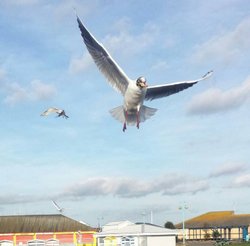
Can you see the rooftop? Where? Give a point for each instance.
(40, 223)
(129, 228)
(217, 219)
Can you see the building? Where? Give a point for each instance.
(135, 234)
(41, 230)
(230, 226)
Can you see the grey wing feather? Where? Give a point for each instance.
(111, 70)
(159, 91)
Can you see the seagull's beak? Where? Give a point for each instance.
(143, 85)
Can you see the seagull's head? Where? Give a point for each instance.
(141, 82)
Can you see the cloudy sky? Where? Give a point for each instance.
(195, 150)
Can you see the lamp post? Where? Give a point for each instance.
(99, 223)
(182, 208)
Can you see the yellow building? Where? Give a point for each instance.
(229, 225)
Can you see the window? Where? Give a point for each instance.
(36, 243)
(6, 243)
(52, 242)
(110, 241)
(128, 241)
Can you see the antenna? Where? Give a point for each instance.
(143, 214)
(99, 226)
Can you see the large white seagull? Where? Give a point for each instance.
(132, 112)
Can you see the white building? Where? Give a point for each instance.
(126, 233)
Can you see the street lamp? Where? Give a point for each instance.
(182, 208)
(99, 223)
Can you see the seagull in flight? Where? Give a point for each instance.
(60, 112)
(58, 207)
(134, 91)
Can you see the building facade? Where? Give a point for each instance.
(126, 233)
(44, 230)
(227, 225)
(80, 238)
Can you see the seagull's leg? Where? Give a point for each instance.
(124, 127)
(137, 119)
(125, 124)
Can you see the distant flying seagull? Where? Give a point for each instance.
(57, 206)
(60, 112)
(132, 112)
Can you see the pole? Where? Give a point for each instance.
(183, 226)
(99, 223)
(183, 207)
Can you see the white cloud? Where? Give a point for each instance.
(20, 198)
(225, 48)
(160, 65)
(123, 24)
(19, 2)
(126, 44)
(64, 8)
(187, 186)
(41, 91)
(36, 91)
(241, 181)
(122, 44)
(106, 186)
(172, 184)
(15, 94)
(215, 100)
(228, 169)
(80, 64)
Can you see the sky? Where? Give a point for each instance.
(193, 151)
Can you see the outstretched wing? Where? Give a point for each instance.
(51, 110)
(111, 70)
(57, 206)
(158, 91)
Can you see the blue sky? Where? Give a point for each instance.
(194, 150)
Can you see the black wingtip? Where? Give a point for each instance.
(77, 17)
(208, 74)
(79, 21)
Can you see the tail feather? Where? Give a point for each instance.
(118, 113)
(146, 113)
(131, 119)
